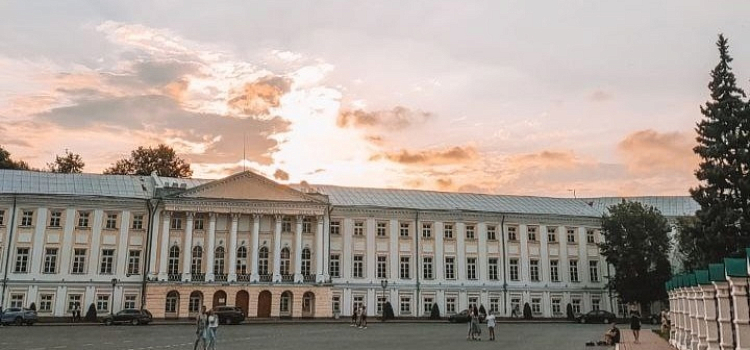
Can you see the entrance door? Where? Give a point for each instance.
(264, 304)
(242, 301)
(308, 304)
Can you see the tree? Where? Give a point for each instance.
(144, 161)
(526, 311)
(388, 311)
(435, 312)
(637, 243)
(723, 225)
(570, 315)
(7, 163)
(91, 314)
(70, 163)
(32, 306)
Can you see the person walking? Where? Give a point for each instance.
(201, 323)
(354, 317)
(635, 324)
(77, 313)
(213, 327)
(476, 331)
(363, 316)
(491, 325)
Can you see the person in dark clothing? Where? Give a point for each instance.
(612, 336)
(635, 324)
(201, 323)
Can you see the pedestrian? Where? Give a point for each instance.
(363, 316)
(516, 311)
(476, 331)
(470, 334)
(213, 327)
(635, 324)
(491, 325)
(354, 316)
(201, 323)
(77, 312)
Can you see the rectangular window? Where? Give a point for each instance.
(134, 262)
(108, 257)
(512, 233)
(427, 305)
(571, 235)
(470, 234)
(54, 218)
(335, 266)
(556, 306)
(554, 274)
(474, 301)
(594, 270)
(491, 233)
(199, 223)
(427, 267)
(382, 267)
(22, 260)
(595, 303)
(74, 301)
(336, 304)
(426, 230)
(403, 230)
(576, 303)
(286, 224)
(448, 231)
(175, 223)
(531, 233)
(590, 238)
(471, 268)
(307, 225)
(513, 265)
(515, 305)
(382, 228)
(102, 303)
(357, 301)
(494, 305)
(358, 266)
(551, 234)
(130, 301)
(111, 221)
(79, 260)
(2, 217)
(137, 222)
(405, 268)
(83, 219)
(405, 305)
(450, 265)
(492, 269)
(45, 302)
(534, 270)
(381, 302)
(359, 228)
(27, 218)
(50, 260)
(335, 227)
(536, 306)
(574, 270)
(16, 300)
(450, 305)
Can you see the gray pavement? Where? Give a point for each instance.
(313, 336)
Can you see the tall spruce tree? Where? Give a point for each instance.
(723, 225)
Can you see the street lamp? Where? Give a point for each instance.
(384, 284)
(112, 301)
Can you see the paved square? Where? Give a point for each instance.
(307, 336)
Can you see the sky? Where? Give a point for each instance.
(543, 98)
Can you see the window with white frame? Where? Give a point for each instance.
(335, 266)
(427, 305)
(170, 306)
(50, 260)
(198, 222)
(107, 261)
(54, 218)
(491, 233)
(137, 223)
(512, 233)
(102, 303)
(404, 229)
(405, 305)
(242, 260)
(551, 234)
(285, 303)
(474, 301)
(111, 221)
(83, 219)
(470, 232)
(130, 301)
(382, 266)
(22, 260)
(534, 270)
(594, 270)
(175, 223)
(219, 258)
(590, 237)
(357, 301)
(405, 268)
(427, 267)
(359, 228)
(134, 262)
(2, 217)
(306, 266)
(426, 230)
(358, 267)
(286, 224)
(27, 218)
(382, 228)
(571, 235)
(494, 305)
(336, 303)
(307, 225)
(492, 269)
(595, 303)
(79, 261)
(513, 267)
(45, 303)
(381, 302)
(450, 267)
(515, 303)
(531, 233)
(573, 270)
(448, 230)
(576, 303)
(196, 265)
(471, 268)
(17, 299)
(286, 261)
(554, 274)
(536, 306)
(335, 227)
(556, 306)
(74, 300)
(173, 265)
(450, 305)
(263, 261)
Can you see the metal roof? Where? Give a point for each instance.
(34, 182)
(669, 206)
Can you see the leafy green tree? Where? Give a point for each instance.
(144, 161)
(7, 163)
(69, 163)
(723, 225)
(637, 244)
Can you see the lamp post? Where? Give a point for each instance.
(384, 284)
(112, 301)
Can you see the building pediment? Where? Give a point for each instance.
(248, 186)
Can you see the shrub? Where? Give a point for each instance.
(526, 311)
(435, 312)
(91, 313)
(388, 311)
(569, 311)
(32, 306)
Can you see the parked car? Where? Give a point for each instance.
(461, 317)
(129, 316)
(597, 316)
(229, 314)
(18, 316)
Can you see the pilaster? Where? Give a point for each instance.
(232, 276)
(210, 276)
(298, 250)
(164, 248)
(277, 249)
(254, 277)
(188, 247)
(319, 251)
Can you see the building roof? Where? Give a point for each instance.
(34, 182)
(669, 206)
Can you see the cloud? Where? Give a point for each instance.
(650, 152)
(444, 183)
(281, 175)
(600, 96)
(544, 160)
(258, 97)
(397, 118)
(448, 156)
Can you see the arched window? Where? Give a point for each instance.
(219, 261)
(263, 261)
(197, 265)
(285, 304)
(174, 260)
(285, 261)
(173, 299)
(196, 300)
(242, 260)
(306, 262)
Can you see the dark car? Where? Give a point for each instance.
(597, 316)
(229, 314)
(130, 316)
(18, 316)
(461, 317)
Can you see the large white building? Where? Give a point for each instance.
(172, 245)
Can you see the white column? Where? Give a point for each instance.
(254, 248)
(460, 252)
(523, 261)
(298, 250)
(347, 229)
(232, 277)
(277, 249)
(481, 230)
(210, 277)
(153, 268)
(711, 327)
(164, 248)
(725, 320)
(393, 254)
(96, 235)
(319, 252)
(188, 257)
(370, 257)
(37, 250)
(67, 241)
(741, 320)
(121, 268)
(439, 260)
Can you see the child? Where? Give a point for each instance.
(491, 325)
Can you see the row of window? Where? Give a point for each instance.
(176, 223)
(381, 229)
(78, 264)
(196, 265)
(381, 269)
(47, 302)
(84, 219)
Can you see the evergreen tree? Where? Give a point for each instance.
(570, 315)
(637, 244)
(91, 314)
(435, 312)
(723, 225)
(527, 311)
(388, 311)
(69, 164)
(143, 161)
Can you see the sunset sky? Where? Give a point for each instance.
(508, 97)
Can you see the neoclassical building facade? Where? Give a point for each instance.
(171, 245)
